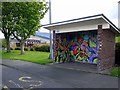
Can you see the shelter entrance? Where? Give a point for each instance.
(79, 46)
(86, 39)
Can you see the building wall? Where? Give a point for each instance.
(29, 42)
(106, 49)
(76, 46)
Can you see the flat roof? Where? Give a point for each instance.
(79, 20)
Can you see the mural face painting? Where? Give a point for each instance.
(76, 46)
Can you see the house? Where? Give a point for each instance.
(88, 40)
(38, 38)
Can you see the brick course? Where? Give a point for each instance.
(106, 51)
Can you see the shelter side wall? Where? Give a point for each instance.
(107, 49)
(54, 45)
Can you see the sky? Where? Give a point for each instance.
(71, 9)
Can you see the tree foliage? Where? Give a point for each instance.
(7, 22)
(27, 16)
(22, 19)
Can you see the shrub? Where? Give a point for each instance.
(31, 49)
(43, 48)
(117, 54)
(3, 43)
(26, 49)
(117, 46)
(115, 72)
(17, 48)
(11, 49)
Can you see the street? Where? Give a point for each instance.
(19, 74)
(13, 78)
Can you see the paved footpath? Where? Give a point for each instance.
(20, 74)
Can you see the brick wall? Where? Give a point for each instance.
(54, 45)
(106, 53)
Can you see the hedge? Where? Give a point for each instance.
(117, 54)
(18, 48)
(26, 49)
(32, 49)
(42, 48)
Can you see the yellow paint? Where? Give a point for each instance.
(34, 83)
(5, 87)
(23, 79)
(11, 81)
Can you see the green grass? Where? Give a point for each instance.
(115, 72)
(30, 56)
(117, 39)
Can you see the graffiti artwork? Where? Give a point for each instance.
(76, 46)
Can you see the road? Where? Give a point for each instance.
(13, 78)
(31, 75)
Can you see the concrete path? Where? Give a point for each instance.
(52, 76)
(86, 67)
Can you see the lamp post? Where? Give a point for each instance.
(51, 47)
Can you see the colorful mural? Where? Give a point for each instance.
(76, 46)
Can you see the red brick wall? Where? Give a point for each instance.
(106, 49)
(54, 45)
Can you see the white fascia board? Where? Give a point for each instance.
(82, 28)
(57, 26)
(63, 23)
(111, 25)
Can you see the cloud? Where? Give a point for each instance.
(70, 9)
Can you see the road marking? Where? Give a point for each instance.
(34, 84)
(5, 87)
(11, 81)
(23, 79)
(31, 83)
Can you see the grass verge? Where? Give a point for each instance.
(30, 56)
(117, 39)
(115, 72)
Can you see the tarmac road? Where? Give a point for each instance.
(13, 78)
(20, 74)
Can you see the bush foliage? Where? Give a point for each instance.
(3, 43)
(117, 54)
(115, 72)
(26, 49)
(32, 49)
(42, 48)
(18, 48)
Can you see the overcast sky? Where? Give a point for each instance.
(70, 9)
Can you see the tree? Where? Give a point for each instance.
(7, 22)
(24, 19)
(27, 16)
(3, 43)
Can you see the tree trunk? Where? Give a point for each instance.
(8, 45)
(22, 47)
